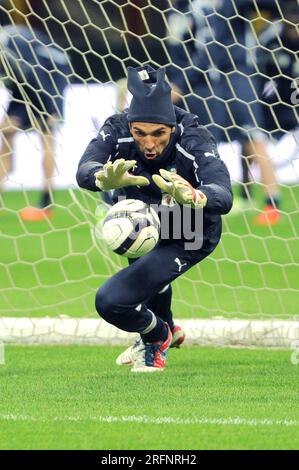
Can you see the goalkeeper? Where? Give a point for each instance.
(157, 153)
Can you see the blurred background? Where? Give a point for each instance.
(103, 38)
(98, 35)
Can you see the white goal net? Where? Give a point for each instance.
(63, 66)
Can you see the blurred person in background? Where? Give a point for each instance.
(191, 70)
(279, 65)
(35, 72)
(209, 41)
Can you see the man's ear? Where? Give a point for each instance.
(130, 126)
(172, 129)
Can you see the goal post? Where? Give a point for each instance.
(246, 292)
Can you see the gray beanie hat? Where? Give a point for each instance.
(151, 100)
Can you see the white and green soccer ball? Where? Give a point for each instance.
(131, 228)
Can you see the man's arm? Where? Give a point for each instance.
(97, 153)
(212, 190)
(99, 171)
(216, 186)
(210, 171)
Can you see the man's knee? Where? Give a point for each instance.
(104, 303)
(114, 311)
(108, 305)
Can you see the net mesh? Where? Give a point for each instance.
(70, 70)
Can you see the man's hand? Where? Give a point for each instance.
(180, 189)
(115, 175)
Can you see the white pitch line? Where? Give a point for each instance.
(236, 421)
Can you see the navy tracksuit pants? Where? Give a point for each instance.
(128, 297)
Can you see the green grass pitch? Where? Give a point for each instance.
(67, 397)
(77, 398)
(53, 268)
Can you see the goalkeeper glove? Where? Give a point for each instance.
(182, 191)
(115, 175)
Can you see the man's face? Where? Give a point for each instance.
(151, 138)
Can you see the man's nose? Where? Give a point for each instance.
(149, 143)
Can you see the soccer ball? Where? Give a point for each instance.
(131, 228)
